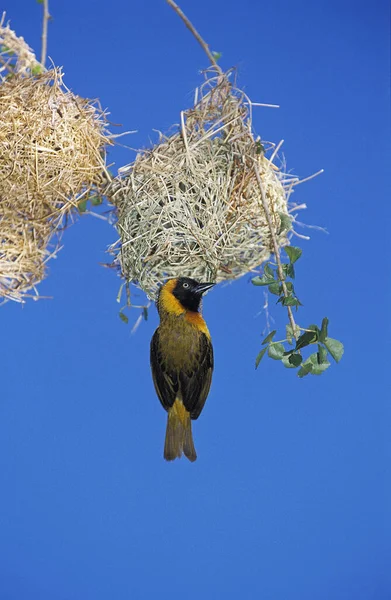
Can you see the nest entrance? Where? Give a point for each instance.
(192, 206)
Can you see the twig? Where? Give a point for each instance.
(266, 309)
(196, 34)
(44, 37)
(300, 235)
(276, 250)
(139, 318)
(310, 177)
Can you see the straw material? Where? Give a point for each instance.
(51, 157)
(15, 55)
(192, 206)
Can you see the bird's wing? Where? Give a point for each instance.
(165, 381)
(195, 382)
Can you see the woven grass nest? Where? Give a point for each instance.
(192, 205)
(51, 158)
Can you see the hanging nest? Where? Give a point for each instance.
(192, 205)
(52, 158)
(16, 57)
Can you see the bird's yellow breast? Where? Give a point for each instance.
(180, 341)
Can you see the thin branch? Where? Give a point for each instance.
(267, 314)
(140, 317)
(309, 177)
(44, 37)
(193, 30)
(275, 249)
(300, 235)
(264, 105)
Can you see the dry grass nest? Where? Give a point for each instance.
(192, 205)
(15, 55)
(52, 156)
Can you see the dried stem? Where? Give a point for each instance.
(193, 30)
(44, 37)
(276, 249)
(267, 314)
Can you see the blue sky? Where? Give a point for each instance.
(289, 498)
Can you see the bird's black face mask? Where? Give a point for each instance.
(189, 292)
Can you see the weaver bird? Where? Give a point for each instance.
(181, 361)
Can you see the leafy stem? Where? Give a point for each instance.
(275, 247)
(143, 307)
(296, 336)
(276, 280)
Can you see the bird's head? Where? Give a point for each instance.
(181, 294)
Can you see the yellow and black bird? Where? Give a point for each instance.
(181, 361)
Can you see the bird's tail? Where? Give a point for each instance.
(179, 438)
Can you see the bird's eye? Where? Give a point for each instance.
(185, 285)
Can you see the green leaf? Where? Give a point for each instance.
(335, 348)
(295, 359)
(307, 338)
(36, 70)
(275, 288)
(322, 355)
(259, 149)
(286, 223)
(95, 200)
(286, 363)
(304, 369)
(39, 1)
(291, 301)
(323, 331)
(262, 280)
(267, 270)
(217, 55)
(123, 317)
(289, 287)
(260, 357)
(289, 333)
(315, 329)
(316, 368)
(289, 352)
(293, 253)
(145, 313)
(276, 351)
(269, 337)
(289, 270)
(82, 206)
(319, 369)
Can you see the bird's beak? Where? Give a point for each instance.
(203, 287)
